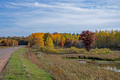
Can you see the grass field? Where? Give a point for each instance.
(65, 69)
(76, 53)
(114, 56)
(19, 68)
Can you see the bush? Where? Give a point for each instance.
(43, 49)
(100, 51)
(74, 50)
(47, 50)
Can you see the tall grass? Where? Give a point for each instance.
(64, 69)
(113, 56)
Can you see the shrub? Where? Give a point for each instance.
(43, 49)
(71, 50)
(100, 51)
(48, 50)
(74, 50)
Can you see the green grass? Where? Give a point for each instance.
(19, 68)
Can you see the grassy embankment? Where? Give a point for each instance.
(64, 69)
(19, 68)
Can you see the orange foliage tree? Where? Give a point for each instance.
(36, 39)
(56, 38)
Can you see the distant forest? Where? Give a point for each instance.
(104, 39)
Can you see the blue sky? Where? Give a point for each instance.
(23, 17)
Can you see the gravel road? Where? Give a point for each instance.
(5, 55)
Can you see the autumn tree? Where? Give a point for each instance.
(75, 43)
(8, 42)
(46, 35)
(88, 39)
(36, 39)
(68, 43)
(49, 42)
(107, 39)
(4, 42)
(56, 38)
(71, 36)
(62, 41)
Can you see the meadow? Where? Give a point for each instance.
(65, 56)
(63, 68)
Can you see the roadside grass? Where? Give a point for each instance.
(19, 68)
(1, 47)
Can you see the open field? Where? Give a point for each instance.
(76, 53)
(65, 69)
(32, 64)
(114, 56)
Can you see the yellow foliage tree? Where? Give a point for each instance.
(62, 39)
(49, 42)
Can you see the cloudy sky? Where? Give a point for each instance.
(23, 17)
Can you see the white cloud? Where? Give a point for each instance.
(72, 15)
(61, 17)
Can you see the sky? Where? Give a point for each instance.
(23, 17)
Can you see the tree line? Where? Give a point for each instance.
(107, 39)
(13, 41)
(98, 39)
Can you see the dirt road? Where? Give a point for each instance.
(5, 54)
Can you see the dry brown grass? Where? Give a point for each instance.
(115, 55)
(63, 69)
